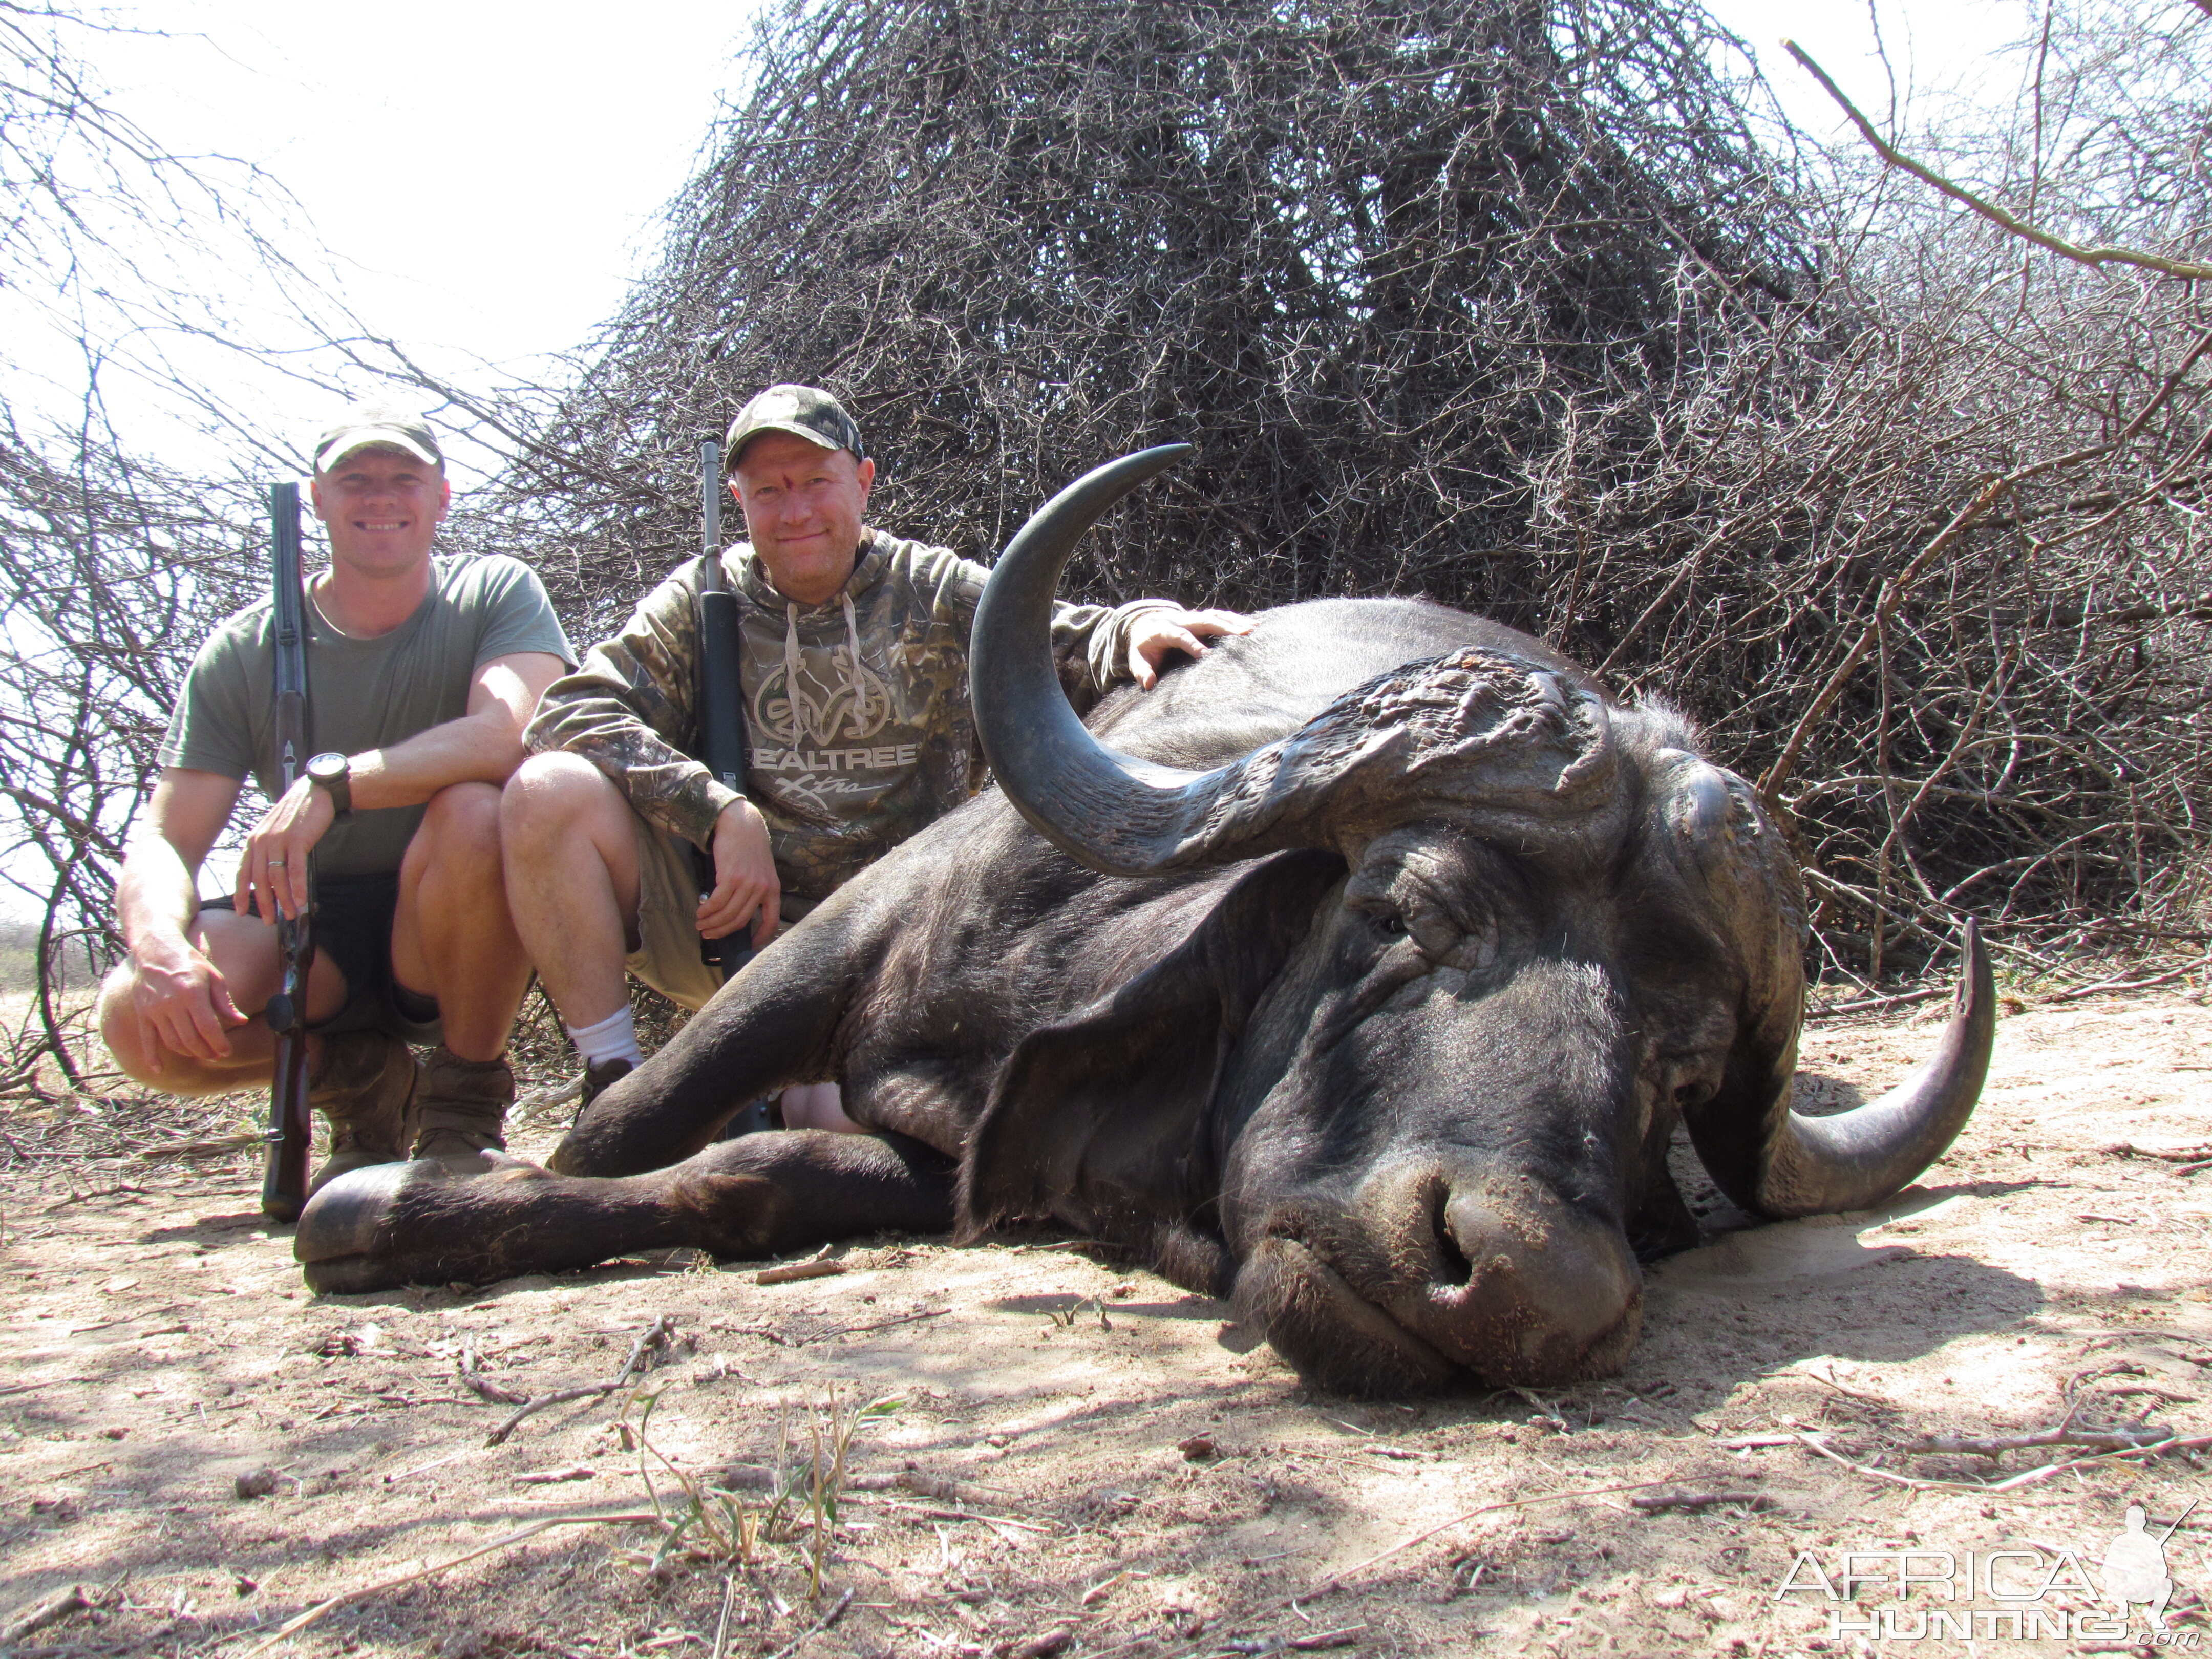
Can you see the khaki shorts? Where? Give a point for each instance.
(667, 955)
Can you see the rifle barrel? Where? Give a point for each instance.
(291, 1122)
(722, 688)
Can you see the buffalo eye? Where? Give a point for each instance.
(1693, 1094)
(1435, 933)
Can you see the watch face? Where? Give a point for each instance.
(326, 767)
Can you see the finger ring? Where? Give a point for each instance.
(276, 864)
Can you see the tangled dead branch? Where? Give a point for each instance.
(1519, 306)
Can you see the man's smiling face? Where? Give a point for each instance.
(803, 507)
(382, 507)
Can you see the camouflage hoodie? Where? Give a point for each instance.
(856, 711)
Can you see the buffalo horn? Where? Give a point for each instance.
(1857, 1159)
(1474, 732)
(1114, 811)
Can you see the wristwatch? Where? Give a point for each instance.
(329, 772)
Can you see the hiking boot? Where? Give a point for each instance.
(461, 1106)
(364, 1082)
(602, 1077)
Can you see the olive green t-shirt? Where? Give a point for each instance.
(361, 694)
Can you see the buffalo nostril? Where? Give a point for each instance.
(1453, 1266)
(1544, 1267)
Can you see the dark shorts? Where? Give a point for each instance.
(353, 928)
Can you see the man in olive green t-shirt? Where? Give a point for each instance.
(421, 672)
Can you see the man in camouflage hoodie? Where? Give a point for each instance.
(855, 666)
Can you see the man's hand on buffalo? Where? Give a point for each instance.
(745, 884)
(1153, 636)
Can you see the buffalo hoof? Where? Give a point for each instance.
(416, 1223)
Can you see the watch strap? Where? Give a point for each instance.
(338, 787)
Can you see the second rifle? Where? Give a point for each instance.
(721, 692)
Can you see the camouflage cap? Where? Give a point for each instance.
(804, 412)
(377, 425)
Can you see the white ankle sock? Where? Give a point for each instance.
(614, 1037)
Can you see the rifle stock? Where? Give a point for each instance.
(721, 692)
(291, 1122)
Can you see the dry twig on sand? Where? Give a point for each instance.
(2026, 1478)
(52, 1610)
(482, 1385)
(655, 1335)
(1335, 1580)
(1318, 1642)
(819, 1266)
(820, 1624)
(722, 1624)
(2174, 1154)
(1996, 1446)
(1657, 1502)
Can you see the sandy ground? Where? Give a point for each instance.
(1069, 1455)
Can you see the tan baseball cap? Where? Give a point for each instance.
(377, 425)
(804, 412)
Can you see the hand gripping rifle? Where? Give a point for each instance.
(291, 1124)
(721, 695)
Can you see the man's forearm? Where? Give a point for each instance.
(156, 896)
(480, 748)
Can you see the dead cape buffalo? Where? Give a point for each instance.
(1365, 978)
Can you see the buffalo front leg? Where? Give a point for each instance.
(774, 1025)
(417, 1224)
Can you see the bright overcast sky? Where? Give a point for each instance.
(1937, 49)
(487, 174)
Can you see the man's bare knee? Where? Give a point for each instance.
(128, 1041)
(460, 822)
(469, 808)
(557, 793)
(555, 800)
(119, 1029)
(817, 1106)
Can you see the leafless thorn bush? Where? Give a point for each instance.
(1521, 307)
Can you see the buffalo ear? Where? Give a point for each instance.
(1732, 853)
(1099, 1119)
